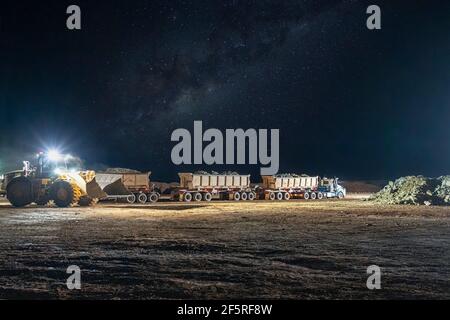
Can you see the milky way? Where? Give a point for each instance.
(348, 101)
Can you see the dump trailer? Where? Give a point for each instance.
(203, 186)
(288, 186)
(132, 187)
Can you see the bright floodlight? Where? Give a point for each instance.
(54, 155)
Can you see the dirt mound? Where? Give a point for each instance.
(417, 190)
(361, 186)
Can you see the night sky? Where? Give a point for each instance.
(348, 101)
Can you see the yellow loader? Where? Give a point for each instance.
(52, 178)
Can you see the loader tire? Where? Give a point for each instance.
(65, 194)
(20, 192)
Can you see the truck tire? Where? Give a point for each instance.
(340, 195)
(306, 196)
(237, 196)
(280, 196)
(287, 196)
(272, 196)
(320, 195)
(142, 198)
(131, 198)
(187, 197)
(251, 196)
(152, 197)
(198, 196)
(244, 196)
(313, 195)
(207, 196)
(19, 192)
(64, 194)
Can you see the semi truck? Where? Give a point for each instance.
(293, 186)
(204, 186)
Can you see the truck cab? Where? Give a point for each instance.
(332, 189)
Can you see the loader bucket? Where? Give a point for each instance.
(116, 188)
(112, 184)
(94, 190)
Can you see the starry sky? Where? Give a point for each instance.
(348, 101)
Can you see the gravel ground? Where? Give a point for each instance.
(222, 250)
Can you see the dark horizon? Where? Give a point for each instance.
(349, 102)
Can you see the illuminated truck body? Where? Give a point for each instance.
(133, 187)
(289, 186)
(204, 186)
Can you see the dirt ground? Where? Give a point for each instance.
(222, 250)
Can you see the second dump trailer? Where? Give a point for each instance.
(205, 187)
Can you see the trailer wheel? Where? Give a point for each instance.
(272, 196)
(207, 196)
(237, 196)
(313, 195)
(153, 197)
(306, 196)
(340, 195)
(251, 196)
(198, 196)
(187, 197)
(287, 196)
(320, 196)
(142, 198)
(244, 196)
(131, 198)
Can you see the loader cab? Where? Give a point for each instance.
(50, 165)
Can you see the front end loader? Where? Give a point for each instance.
(51, 179)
